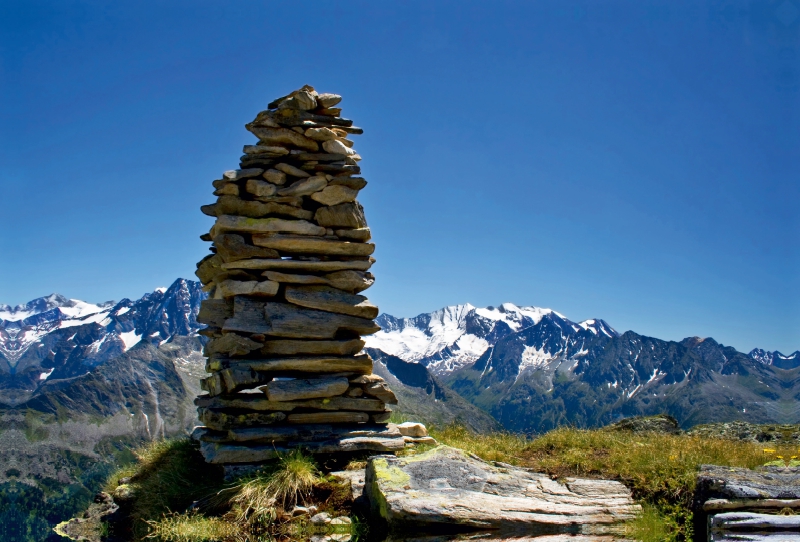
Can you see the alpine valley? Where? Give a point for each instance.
(80, 384)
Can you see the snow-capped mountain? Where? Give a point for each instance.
(68, 308)
(56, 338)
(776, 358)
(534, 369)
(456, 336)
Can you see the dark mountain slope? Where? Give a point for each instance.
(423, 397)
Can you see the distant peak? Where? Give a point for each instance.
(69, 308)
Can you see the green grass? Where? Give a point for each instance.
(169, 476)
(497, 446)
(659, 469)
(166, 478)
(650, 526)
(261, 498)
(189, 527)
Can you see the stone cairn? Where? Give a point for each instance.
(290, 254)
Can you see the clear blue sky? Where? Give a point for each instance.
(633, 161)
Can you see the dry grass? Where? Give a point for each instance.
(659, 469)
(169, 475)
(256, 500)
(498, 446)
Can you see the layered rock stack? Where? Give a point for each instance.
(290, 256)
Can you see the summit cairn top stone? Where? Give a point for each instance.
(290, 256)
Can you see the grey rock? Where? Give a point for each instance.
(334, 195)
(291, 170)
(277, 319)
(345, 215)
(288, 347)
(752, 521)
(351, 281)
(311, 432)
(328, 100)
(209, 267)
(330, 299)
(360, 234)
(236, 174)
(265, 150)
(231, 205)
(214, 312)
(289, 278)
(304, 187)
(356, 183)
(305, 388)
(300, 99)
(380, 390)
(301, 265)
(253, 401)
(739, 483)
(328, 417)
(228, 189)
(231, 223)
(230, 288)
(750, 432)
(444, 489)
(230, 344)
(282, 136)
(660, 423)
(412, 429)
(299, 244)
(337, 147)
(221, 453)
(260, 188)
(232, 247)
(320, 134)
(223, 421)
(353, 478)
(275, 176)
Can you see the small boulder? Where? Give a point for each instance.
(412, 429)
(321, 519)
(660, 423)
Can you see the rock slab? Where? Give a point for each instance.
(447, 490)
(736, 500)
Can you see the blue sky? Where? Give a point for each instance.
(633, 161)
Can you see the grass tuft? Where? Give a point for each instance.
(255, 500)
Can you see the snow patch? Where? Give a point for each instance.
(130, 338)
(534, 358)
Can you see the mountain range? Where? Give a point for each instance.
(80, 383)
(533, 369)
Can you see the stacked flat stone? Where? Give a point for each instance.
(290, 256)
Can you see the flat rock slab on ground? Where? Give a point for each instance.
(753, 527)
(715, 482)
(447, 490)
(740, 496)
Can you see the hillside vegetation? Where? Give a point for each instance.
(169, 493)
